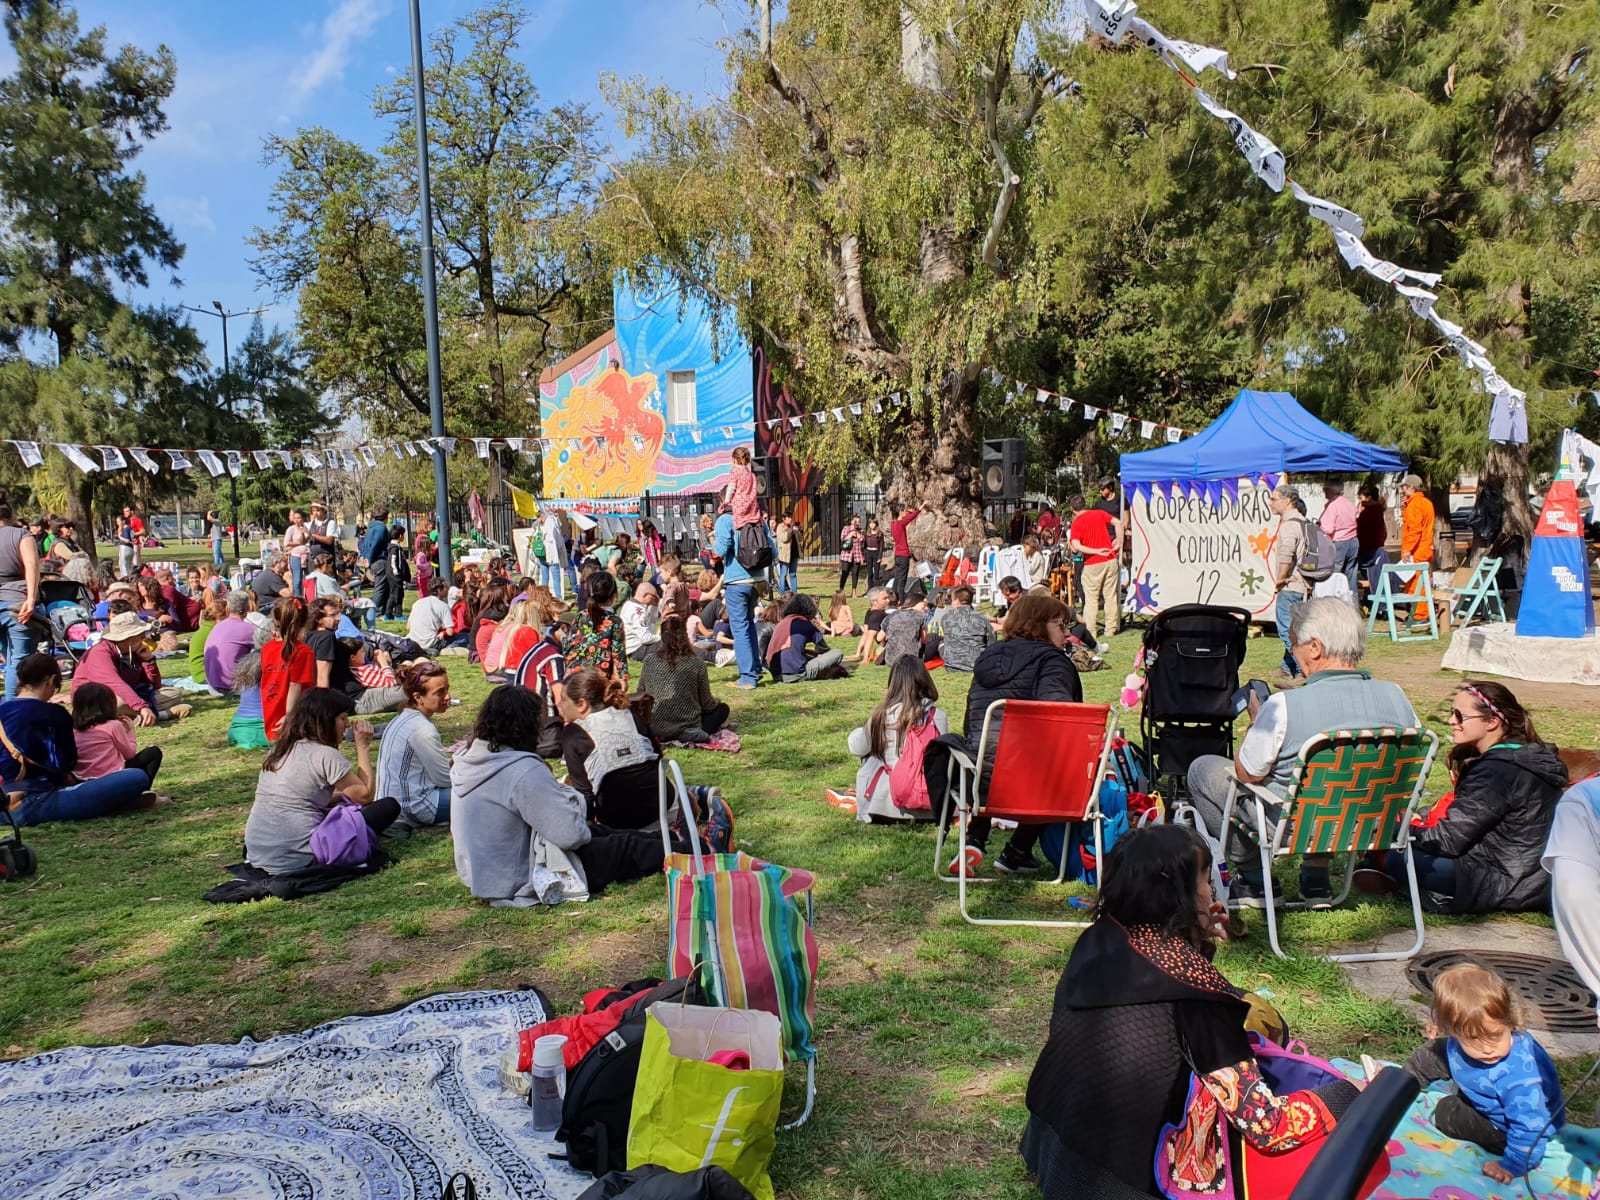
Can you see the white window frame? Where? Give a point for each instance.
(682, 403)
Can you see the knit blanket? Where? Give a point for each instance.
(389, 1105)
(1426, 1165)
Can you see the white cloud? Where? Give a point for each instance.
(346, 26)
(188, 213)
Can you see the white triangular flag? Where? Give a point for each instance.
(367, 456)
(263, 460)
(1173, 433)
(1042, 396)
(1119, 421)
(1110, 20)
(1090, 413)
(1265, 159)
(1147, 428)
(600, 442)
(377, 449)
(794, 422)
(447, 444)
(1328, 213)
(112, 457)
(696, 435)
(1064, 403)
(312, 459)
(1196, 58)
(515, 444)
(638, 442)
(285, 458)
(180, 460)
(210, 461)
(727, 431)
(855, 410)
(482, 445)
(78, 458)
(877, 406)
(235, 462)
(31, 453)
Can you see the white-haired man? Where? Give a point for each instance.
(1328, 641)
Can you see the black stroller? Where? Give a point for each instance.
(1192, 656)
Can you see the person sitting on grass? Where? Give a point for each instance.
(333, 656)
(1506, 1096)
(39, 776)
(521, 838)
(430, 623)
(413, 765)
(288, 667)
(232, 638)
(908, 705)
(904, 629)
(213, 610)
(962, 631)
(106, 743)
(841, 618)
(610, 753)
(153, 610)
(248, 729)
(125, 661)
(303, 776)
(641, 620)
(675, 677)
(878, 601)
(494, 601)
(598, 640)
(798, 651)
(1140, 1012)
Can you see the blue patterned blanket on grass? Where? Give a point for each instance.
(1424, 1164)
(383, 1107)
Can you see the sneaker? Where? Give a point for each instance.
(1316, 890)
(1017, 864)
(716, 834)
(844, 798)
(1249, 893)
(974, 860)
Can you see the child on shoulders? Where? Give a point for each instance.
(1505, 1095)
(741, 489)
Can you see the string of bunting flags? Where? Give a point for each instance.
(1120, 422)
(1116, 20)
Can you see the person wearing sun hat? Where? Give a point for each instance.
(124, 661)
(324, 531)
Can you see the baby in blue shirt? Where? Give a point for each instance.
(1506, 1097)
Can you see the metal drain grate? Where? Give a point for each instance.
(1551, 995)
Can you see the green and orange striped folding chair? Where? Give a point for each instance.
(1355, 791)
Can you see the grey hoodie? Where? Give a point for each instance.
(512, 824)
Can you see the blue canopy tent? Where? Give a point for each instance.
(1260, 433)
(1197, 510)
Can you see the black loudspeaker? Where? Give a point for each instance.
(766, 468)
(1003, 469)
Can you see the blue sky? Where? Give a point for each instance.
(247, 68)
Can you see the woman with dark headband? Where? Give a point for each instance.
(1481, 854)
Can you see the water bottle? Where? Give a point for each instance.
(549, 1082)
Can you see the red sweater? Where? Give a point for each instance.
(897, 531)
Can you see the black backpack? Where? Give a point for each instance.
(599, 1100)
(753, 548)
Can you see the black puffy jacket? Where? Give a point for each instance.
(1496, 828)
(1017, 669)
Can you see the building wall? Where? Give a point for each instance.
(618, 391)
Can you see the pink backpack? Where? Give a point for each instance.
(908, 788)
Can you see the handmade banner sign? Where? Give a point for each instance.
(1202, 543)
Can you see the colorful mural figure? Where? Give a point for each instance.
(797, 477)
(614, 394)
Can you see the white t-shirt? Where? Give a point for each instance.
(1572, 856)
(430, 621)
(1262, 745)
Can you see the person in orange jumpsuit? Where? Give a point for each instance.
(1416, 535)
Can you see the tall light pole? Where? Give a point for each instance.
(430, 300)
(216, 310)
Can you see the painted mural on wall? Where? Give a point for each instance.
(798, 479)
(614, 395)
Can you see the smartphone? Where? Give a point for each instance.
(1241, 698)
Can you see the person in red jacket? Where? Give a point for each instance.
(902, 548)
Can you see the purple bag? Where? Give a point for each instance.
(343, 839)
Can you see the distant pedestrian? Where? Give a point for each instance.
(214, 528)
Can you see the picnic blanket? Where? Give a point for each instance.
(1426, 1165)
(388, 1105)
(722, 739)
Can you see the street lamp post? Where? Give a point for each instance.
(430, 303)
(216, 310)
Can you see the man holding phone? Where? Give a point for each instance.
(1328, 641)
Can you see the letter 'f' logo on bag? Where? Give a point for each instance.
(721, 1127)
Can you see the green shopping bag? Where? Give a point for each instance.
(689, 1113)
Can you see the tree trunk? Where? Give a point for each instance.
(80, 509)
(933, 469)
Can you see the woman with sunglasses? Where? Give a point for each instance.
(1482, 854)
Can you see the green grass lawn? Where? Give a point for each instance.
(929, 1026)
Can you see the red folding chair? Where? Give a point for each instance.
(1049, 761)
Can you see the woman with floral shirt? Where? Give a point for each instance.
(597, 639)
